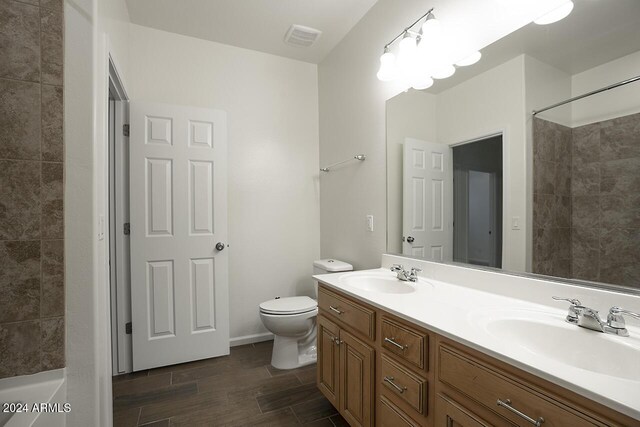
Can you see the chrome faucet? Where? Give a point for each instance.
(406, 275)
(589, 318)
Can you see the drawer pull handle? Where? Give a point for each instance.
(391, 341)
(507, 404)
(394, 385)
(334, 309)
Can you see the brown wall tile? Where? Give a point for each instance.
(620, 211)
(19, 348)
(620, 138)
(52, 123)
(52, 303)
(52, 343)
(544, 177)
(620, 176)
(544, 209)
(52, 46)
(19, 280)
(19, 119)
(19, 200)
(563, 211)
(585, 211)
(52, 4)
(586, 144)
(32, 305)
(52, 201)
(19, 41)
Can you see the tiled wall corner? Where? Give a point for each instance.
(602, 208)
(31, 187)
(552, 207)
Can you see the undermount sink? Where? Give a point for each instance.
(381, 282)
(547, 335)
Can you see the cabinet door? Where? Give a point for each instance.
(328, 360)
(357, 372)
(451, 414)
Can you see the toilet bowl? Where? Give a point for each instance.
(292, 321)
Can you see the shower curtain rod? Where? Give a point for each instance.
(613, 86)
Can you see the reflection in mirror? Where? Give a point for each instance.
(474, 177)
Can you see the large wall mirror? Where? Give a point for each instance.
(474, 177)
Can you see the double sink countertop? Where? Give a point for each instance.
(514, 319)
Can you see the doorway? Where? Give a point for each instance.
(118, 224)
(477, 202)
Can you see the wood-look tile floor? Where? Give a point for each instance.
(241, 389)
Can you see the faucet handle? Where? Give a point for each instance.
(573, 301)
(572, 316)
(397, 267)
(415, 270)
(615, 319)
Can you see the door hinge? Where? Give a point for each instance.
(127, 228)
(125, 130)
(128, 328)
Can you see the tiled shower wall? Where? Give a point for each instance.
(551, 198)
(606, 201)
(31, 187)
(604, 206)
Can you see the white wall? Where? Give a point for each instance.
(410, 114)
(352, 121)
(272, 106)
(617, 102)
(93, 30)
(486, 104)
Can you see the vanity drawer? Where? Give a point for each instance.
(488, 386)
(403, 384)
(352, 314)
(407, 343)
(391, 416)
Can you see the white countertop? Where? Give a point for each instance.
(459, 306)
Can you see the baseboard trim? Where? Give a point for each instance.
(250, 339)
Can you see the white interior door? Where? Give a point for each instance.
(427, 200)
(178, 201)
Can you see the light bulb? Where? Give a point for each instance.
(556, 14)
(430, 27)
(442, 72)
(422, 82)
(388, 70)
(408, 50)
(407, 60)
(470, 60)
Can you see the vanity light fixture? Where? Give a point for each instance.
(423, 55)
(556, 14)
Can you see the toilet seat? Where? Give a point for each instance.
(289, 305)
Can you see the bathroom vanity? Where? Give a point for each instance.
(431, 353)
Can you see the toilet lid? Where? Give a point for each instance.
(288, 305)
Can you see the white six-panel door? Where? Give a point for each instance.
(178, 202)
(427, 200)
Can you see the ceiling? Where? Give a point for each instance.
(254, 24)
(596, 32)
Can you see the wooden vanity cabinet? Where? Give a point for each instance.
(346, 356)
(470, 386)
(378, 369)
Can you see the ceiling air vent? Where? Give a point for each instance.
(301, 36)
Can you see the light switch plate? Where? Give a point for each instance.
(369, 222)
(515, 223)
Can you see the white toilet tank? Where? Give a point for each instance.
(324, 266)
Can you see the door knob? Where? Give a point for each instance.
(410, 239)
(219, 246)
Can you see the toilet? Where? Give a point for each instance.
(292, 320)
